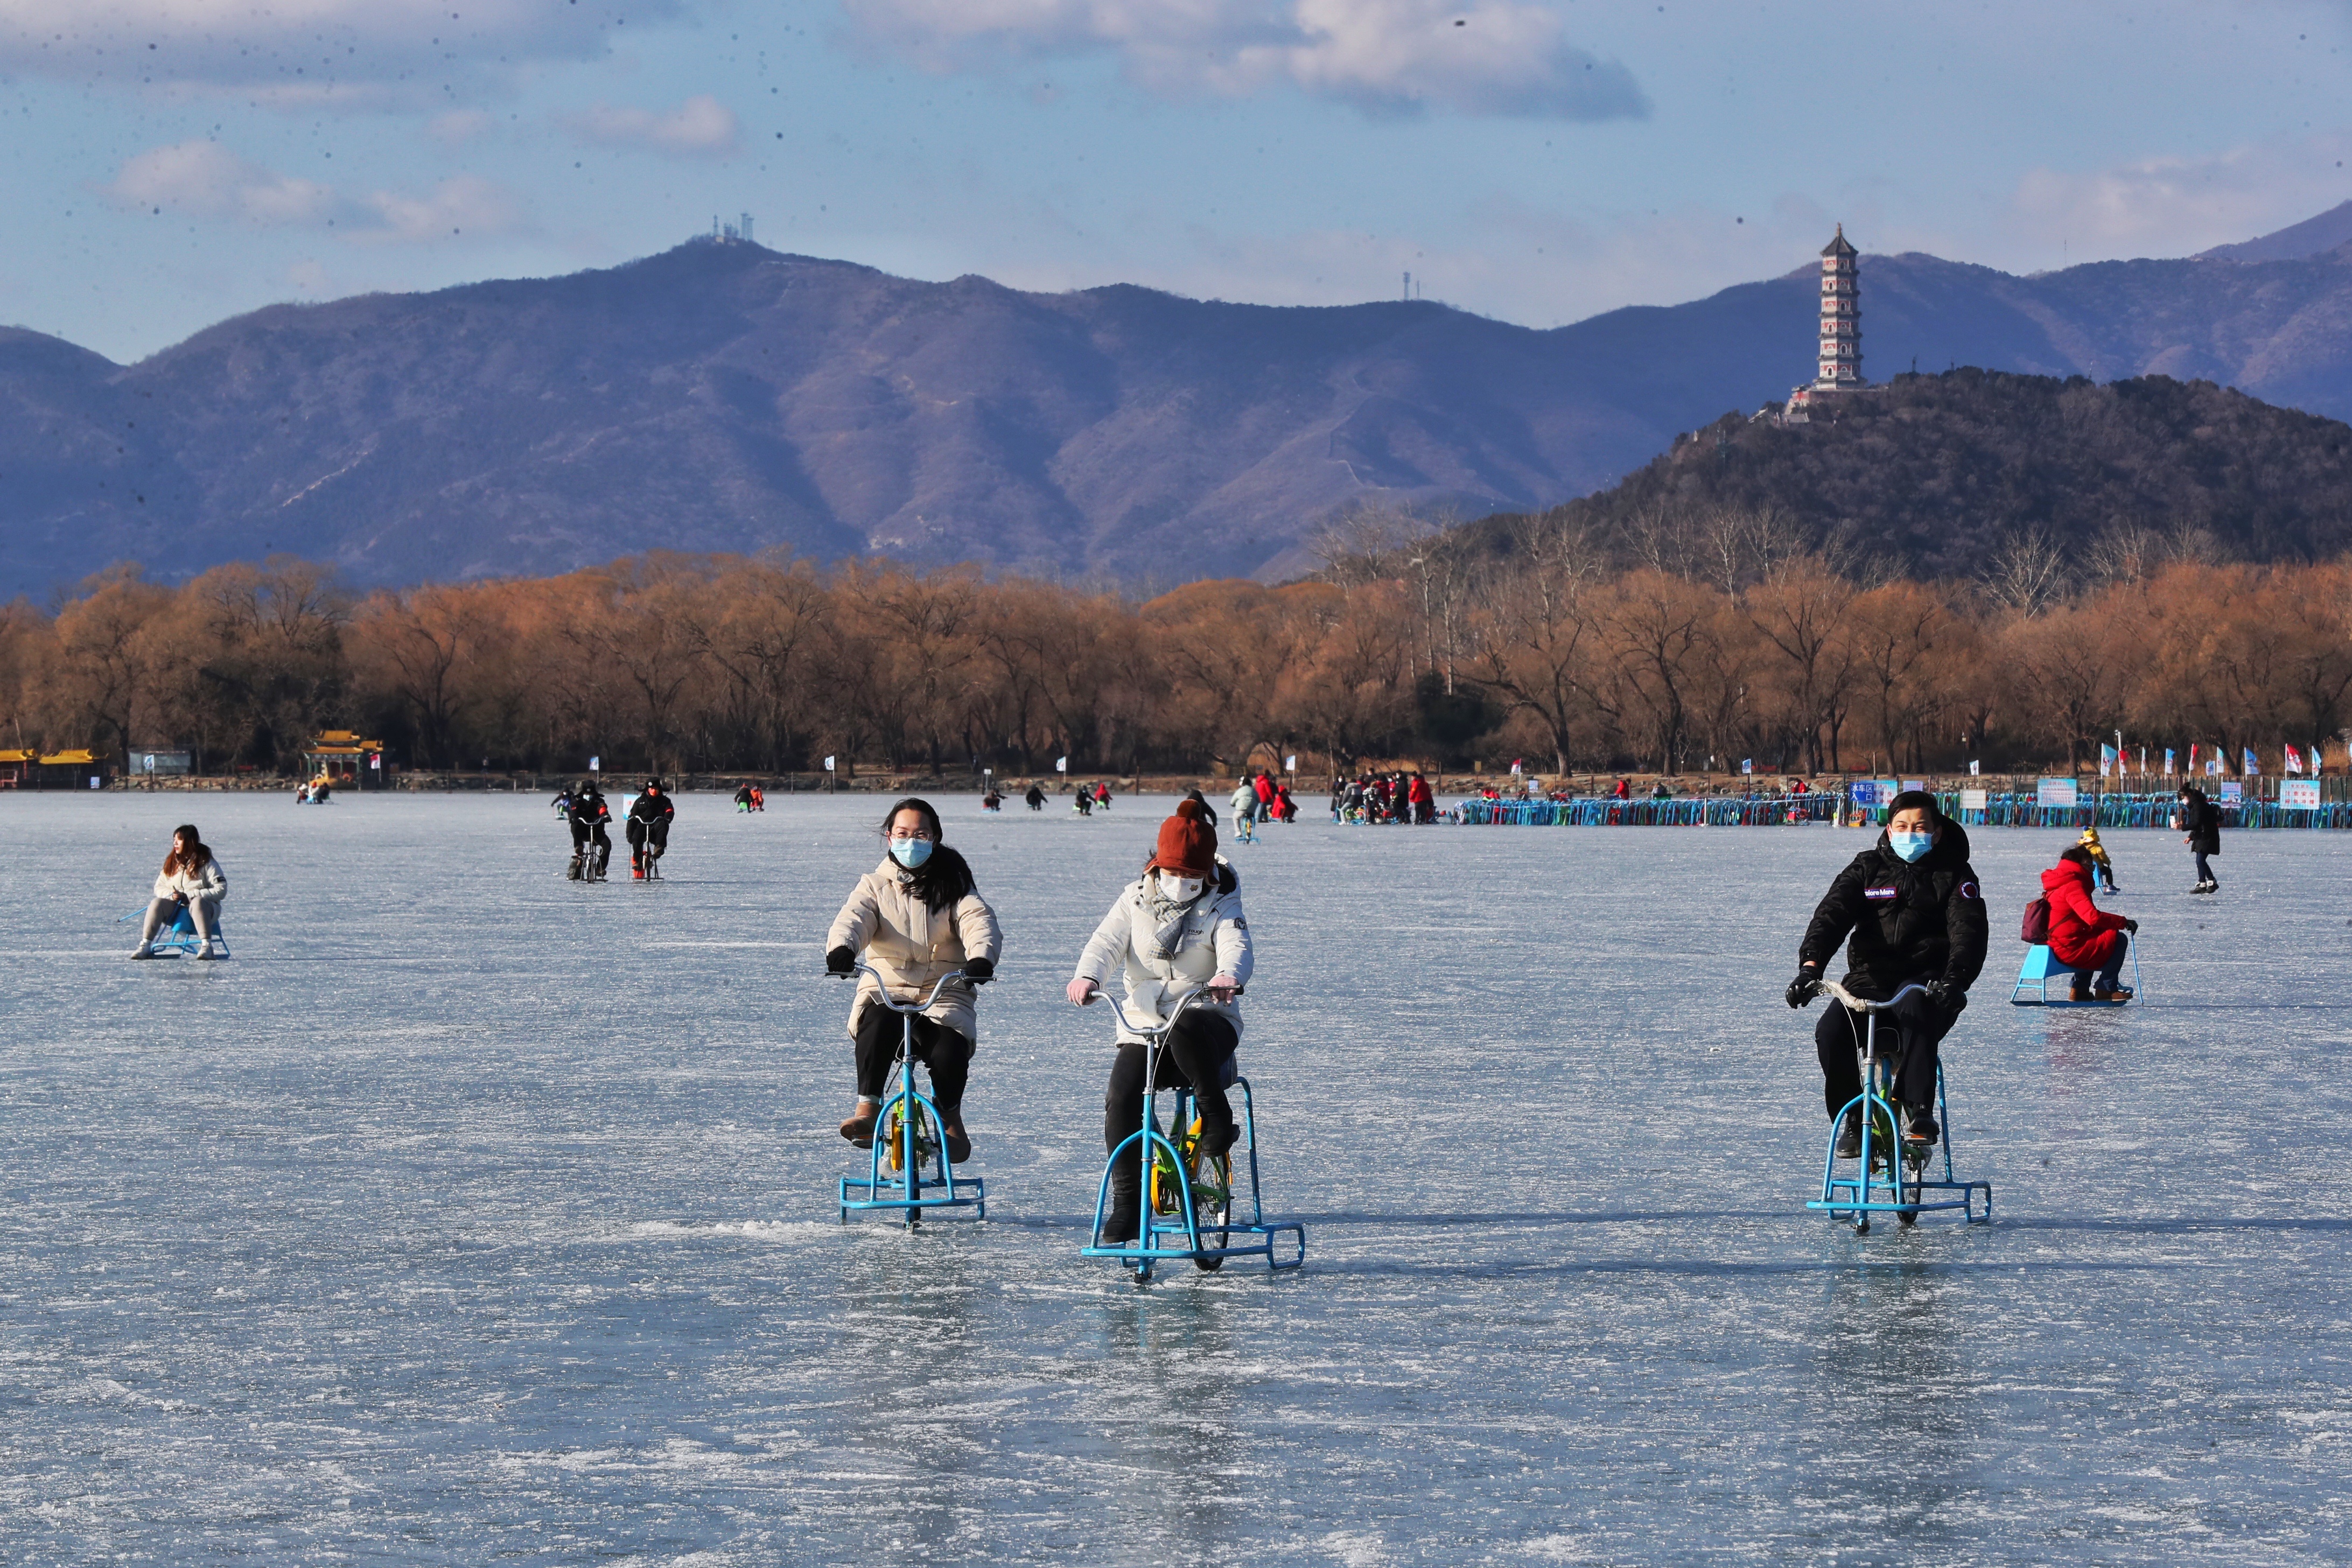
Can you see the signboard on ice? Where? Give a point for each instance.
(1975, 799)
(2233, 791)
(2299, 794)
(2053, 792)
(1863, 792)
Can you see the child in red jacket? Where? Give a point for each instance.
(2084, 937)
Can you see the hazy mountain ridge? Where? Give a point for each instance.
(724, 397)
(1934, 475)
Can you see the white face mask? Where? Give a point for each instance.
(1179, 890)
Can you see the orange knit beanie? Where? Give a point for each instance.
(1188, 845)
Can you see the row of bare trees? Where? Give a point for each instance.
(1703, 643)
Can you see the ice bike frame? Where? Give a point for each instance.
(910, 1133)
(1889, 1178)
(1185, 1211)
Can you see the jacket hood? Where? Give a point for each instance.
(1951, 846)
(2064, 873)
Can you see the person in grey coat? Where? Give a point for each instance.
(192, 878)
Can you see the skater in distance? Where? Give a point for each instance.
(649, 819)
(592, 846)
(192, 880)
(1916, 912)
(2200, 829)
(1178, 926)
(916, 918)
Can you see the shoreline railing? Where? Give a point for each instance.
(2002, 808)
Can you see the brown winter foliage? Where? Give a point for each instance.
(1707, 645)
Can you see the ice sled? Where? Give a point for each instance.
(178, 935)
(2041, 966)
(1189, 1198)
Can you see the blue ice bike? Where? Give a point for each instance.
(910, 1139)
(179, 936)
(1891, 1175)
(1188, 1198)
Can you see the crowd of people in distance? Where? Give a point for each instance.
(751, 797)
(1397, 797)
(1089, 796)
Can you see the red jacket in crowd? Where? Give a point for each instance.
(2081, 934)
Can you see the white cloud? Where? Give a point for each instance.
(1471, 56)
(204, 179)
(303, 51)
(463, 204)
(2170, 206)
(700, 127)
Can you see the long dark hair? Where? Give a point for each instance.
(197, 852)
(945, 878)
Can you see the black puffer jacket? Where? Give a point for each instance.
(1923, 921)
(2202, 820)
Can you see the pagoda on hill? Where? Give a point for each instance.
(1839, 367)
(1841, 358)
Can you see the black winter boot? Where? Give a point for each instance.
(1124, 1217)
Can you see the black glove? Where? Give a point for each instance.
(979, 971)
(841, 960)
(1945, 995)
(2132, 926)
(1803, 988)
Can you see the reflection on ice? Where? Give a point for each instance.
(472, 1215)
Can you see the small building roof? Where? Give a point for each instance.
(1841, 245)
(17, 756)
(78, 759)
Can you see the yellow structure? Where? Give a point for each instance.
(342, 757)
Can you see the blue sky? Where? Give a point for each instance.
(169, 163)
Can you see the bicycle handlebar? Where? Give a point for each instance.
(1132, 1027)
(883, 986)
(1860, 1005)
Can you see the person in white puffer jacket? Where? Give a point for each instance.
(192, 877)
(1180, 926)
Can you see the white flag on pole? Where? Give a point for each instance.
(592, 764)
(1972, 770)
(1290, 764)
(1061, 765)
(828, 764)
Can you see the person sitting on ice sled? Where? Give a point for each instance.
(915, 917)
(649, 819)
(2084, 937)
(192, 878)
(1178, 926)
(1917, 913)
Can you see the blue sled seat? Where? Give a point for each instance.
(2041, 966)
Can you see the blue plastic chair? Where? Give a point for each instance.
(2041, 966)
(179, 936)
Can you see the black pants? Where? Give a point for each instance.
(585, 835)
(1194, 1057)
(2112, 974)
(1907, 1037)
(946, 1051)
(641, 833)
(2204, 872)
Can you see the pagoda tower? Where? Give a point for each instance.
(1841, 357)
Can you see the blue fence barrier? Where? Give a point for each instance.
(2003, 808)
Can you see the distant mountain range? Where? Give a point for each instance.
(723, 397)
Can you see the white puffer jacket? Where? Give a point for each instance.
(1161, 958)
(211, 882)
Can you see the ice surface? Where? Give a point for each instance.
(473, 1216)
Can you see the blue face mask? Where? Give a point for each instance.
(1910, 846)
(911, 852)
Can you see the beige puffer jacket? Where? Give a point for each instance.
(900, 935)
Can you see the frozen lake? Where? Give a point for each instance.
(473, 1216)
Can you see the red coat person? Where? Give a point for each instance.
(2081, 934)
